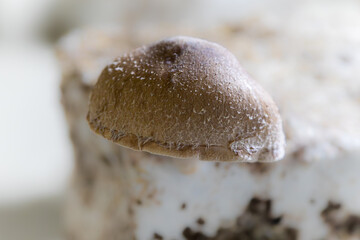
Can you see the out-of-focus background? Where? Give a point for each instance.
(35, 151)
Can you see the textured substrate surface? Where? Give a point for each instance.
(117, 193)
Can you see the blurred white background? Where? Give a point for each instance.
(35, 151)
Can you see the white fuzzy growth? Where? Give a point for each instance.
(318, 95)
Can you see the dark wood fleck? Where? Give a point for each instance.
(340, 222)
(157, 236)
(255, 223)
(183, 206)
(200, 221)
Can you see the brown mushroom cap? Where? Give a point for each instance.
(185, 97)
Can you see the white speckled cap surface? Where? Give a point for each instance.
(186, 97)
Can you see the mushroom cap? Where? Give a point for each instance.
(186, 97)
